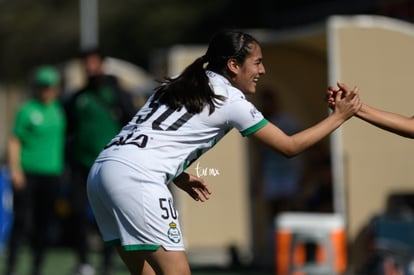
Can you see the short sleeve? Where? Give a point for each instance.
(245, 117)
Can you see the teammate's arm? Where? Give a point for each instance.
(388, 121)
(392, 122)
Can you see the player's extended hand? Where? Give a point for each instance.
(333, 92)
(194, 186)
(345, 102)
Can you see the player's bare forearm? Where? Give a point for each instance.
(392, 122)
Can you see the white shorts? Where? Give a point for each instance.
(138, 214)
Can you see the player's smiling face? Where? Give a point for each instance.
(247, 75)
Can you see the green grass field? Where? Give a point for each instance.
(61, 261)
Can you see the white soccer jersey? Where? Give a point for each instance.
(161, 143)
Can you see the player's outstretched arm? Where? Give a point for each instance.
(347, 104)
(194, 186)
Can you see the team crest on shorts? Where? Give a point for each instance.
(173, 233)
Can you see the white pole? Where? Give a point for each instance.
(88, 24)
(338, 158)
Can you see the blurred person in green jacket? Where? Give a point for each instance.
(36, 163)
(95, 114)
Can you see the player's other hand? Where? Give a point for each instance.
(330, 96)
(194, 186)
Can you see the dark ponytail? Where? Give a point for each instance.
(191, 88)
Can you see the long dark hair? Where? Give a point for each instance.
(191, 88)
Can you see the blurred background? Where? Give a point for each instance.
(49, 31)
(147, 40)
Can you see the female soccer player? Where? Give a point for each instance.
(186, 116)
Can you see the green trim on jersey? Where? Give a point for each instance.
(255, 128)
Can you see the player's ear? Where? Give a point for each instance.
(233, 65)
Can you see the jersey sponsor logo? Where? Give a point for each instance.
(134, 137)
(173, 233)
(140, 140)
